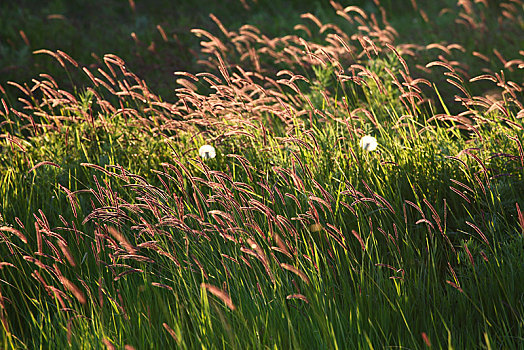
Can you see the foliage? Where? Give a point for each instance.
(115, 232)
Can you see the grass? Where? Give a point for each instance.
(115, 233)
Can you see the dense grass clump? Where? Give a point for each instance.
(361, 188)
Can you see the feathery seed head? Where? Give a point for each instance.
(368, 143)
(207, 152)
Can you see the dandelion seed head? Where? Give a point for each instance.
(207, 152)
(368, 143)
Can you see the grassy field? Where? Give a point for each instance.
(364, 189)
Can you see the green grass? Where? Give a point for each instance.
(116, 233)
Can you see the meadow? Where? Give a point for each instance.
(252, 175)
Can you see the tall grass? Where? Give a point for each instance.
(116, 233)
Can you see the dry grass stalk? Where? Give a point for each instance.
(219, 293)
(109, 345)
(67, 253)
(298, 296)
(360, 240)
(296, 271)
(43, 163)
(121, 239)
(78, 294)
(520, 217)
(171, 332)
(14, 231)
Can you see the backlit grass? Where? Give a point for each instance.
(115, 232)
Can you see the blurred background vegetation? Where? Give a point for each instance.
(154, 37)
(88, 30)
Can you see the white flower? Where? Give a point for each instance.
(207, 152)
(368, 143)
